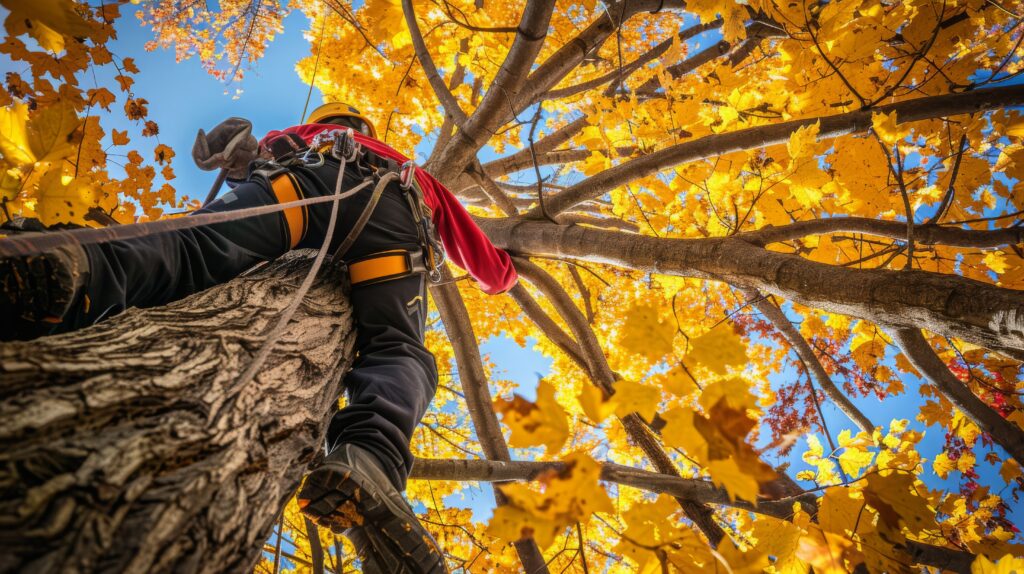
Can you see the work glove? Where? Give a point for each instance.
(230, 146)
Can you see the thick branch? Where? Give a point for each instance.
(927, 234)
(803, 349)
(986, 315)
(924, 359)
(757, 137)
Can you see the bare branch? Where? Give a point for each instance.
(757, 137)
(530, 34)
(604, 377)
(547, 325)
(695, 489)
(478, 396)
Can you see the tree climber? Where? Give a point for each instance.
(357, 489)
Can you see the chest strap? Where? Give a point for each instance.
(286, 189)
(385, 266)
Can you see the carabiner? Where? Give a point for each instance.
(406, 174)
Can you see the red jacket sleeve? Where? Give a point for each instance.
(464, 243)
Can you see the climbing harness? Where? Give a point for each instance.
(340, 145)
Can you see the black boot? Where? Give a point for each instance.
(350, 494)
(37, 291)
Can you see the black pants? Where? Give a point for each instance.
(393, 378)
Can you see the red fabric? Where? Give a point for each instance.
(464, 243)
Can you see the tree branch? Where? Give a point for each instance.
(507, 83)
(953, 306)
(924, 359)
(761, 136)
(695, 489)
(602, 375)
(478, 396)
(803, 349)
(444, 95)
(926, 234)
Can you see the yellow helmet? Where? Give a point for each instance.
(341, 110)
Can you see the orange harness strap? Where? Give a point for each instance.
(385, 266)
(287, 189)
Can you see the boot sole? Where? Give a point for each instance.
(333, 498)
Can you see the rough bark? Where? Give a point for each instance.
(129, 446)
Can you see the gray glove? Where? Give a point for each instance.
(230, 146)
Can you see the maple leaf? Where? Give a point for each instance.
(895, 497)
(718, 349)
(645, 334)
(567, 496)
(1008, 564)
(119, 137)
(51, 21)
(535, 423)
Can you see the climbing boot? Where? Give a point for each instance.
(350, 494)
(37, 291)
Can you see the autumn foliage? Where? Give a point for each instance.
(740, 215)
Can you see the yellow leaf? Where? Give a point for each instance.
(631, 396)
(803, 142)
(595, 405)
(52, 20)
(996, 261)
(50, 130)
(942, 465)
(896, 499)
(541, 423)
(1010, 471)
(676, 381)
(734, 392)
(644, 333)
(566, 497)
(855, 456)
(885, 126)
(1008, 564)
(718, 349)
(57, 202)
(727, 474)
(14, 134)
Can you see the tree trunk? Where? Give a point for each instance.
(129, 446)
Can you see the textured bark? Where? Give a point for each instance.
(953, 306)
(129, 446)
